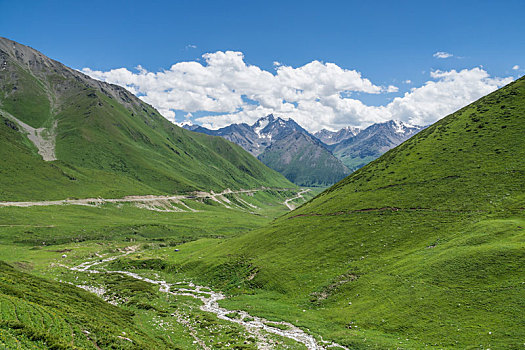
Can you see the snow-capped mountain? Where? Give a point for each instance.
(305, 159)
(257, 137)
(285, 146)
(372, 142)
(331, 137)
(272, 129)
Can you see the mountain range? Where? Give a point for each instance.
(359, 149)
(285, 146)
(309, 159)
(332, 137)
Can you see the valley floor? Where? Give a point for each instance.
(69, 242)
(260, 329)
(152, 272)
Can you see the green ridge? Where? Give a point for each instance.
(39, 314)
(302, 160)
(108, 142)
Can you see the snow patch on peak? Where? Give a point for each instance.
(260, 125)
(352, 129)
(400, 127)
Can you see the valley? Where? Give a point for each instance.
(122, 230)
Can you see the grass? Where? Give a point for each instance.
(59, 316)
(421, 248)
(40, 312)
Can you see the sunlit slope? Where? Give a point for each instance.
(38, 314)
(106, 141)
(470, 160)
(423, 247)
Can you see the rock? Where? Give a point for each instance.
(11, 124)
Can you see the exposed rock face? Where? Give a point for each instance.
(372, 142)
(304, 160)
(332, 137)
(257, 137)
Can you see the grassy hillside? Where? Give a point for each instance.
(67, 317)
(303, 160)
(423, 247)
(106, 141)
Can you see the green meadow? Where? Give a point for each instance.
(41, 309)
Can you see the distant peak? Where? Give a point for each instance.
(269, 117)
(351, 128)
(399, 126)
(264, 120)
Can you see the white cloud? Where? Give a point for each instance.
(191, 46)
(392, 88)
(442, 54)
(516, 67)
(449, 91)
(316, 95)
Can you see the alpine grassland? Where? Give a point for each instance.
(46, 305)
(424, 247)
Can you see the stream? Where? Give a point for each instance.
(210, 301)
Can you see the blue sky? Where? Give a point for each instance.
(387, 42)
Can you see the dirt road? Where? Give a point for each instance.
(173, 203)
(290, 205)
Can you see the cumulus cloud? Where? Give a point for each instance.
(225, 89)
(442, 54)
(516, 67)
(449, 91)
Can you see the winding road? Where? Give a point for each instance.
(291, 206)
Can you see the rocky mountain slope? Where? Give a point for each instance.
(370, 143)
(302, 159)
(331, 137)
(257, 137)
(285, 146)
(64, 134)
